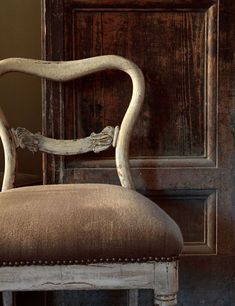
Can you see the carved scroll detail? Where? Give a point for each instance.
(65, 71)
(96, 142)
(25, 139)
(102, 140)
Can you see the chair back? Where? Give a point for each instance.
(109, 136)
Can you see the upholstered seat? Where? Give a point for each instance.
(83, 223)
(74, 225)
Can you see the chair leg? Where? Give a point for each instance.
(7, 298)
(165, 300)
(133, 295)
(166, 283)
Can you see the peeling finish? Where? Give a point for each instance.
(36, 142)
(65, 71)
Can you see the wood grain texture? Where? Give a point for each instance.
(183, 113)
(203, 280)
(159, 4)
(167, 108)
(160, 276)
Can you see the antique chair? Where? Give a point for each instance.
(83, 236)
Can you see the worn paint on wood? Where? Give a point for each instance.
(66, 71)
(181, 39)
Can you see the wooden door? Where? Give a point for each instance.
(182, 153)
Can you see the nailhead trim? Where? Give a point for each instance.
(86, 261)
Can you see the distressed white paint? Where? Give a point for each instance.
(161, 277)
(133, 297)
(7, 298)
(36, 142)
(9, 153)
(65, 71)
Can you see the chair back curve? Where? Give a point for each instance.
(66, 71)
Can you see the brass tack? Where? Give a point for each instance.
(168, 259)
(10, 263)
(94, 260)
(88, 261)
(107, 259)
(119, 259)
(138, 259)
(4, 263)
(39, 262)
(101, 260)
(144, 258)
(76, 262)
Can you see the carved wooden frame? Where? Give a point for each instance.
(65, 71)
(162, 277)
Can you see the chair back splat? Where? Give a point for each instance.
(66, 71)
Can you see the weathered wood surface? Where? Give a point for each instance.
(183, 145)
(90, 277)
(162, 277)
(9, 153)
(36, 142)
(7, 298)
(203, 281)
(174, 145)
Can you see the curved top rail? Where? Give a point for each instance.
(65, 71)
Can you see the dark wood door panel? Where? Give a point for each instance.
(175, 53)
(166, 116)
(195, 212)
(182, 153)
(173, 5)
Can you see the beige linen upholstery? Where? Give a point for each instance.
(82, 224)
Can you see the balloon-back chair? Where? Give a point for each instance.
(83, 236)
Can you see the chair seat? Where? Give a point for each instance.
(59, 224)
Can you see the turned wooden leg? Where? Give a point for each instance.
(166, 283)
(165, 300)
(133, 295)
(7, 298)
